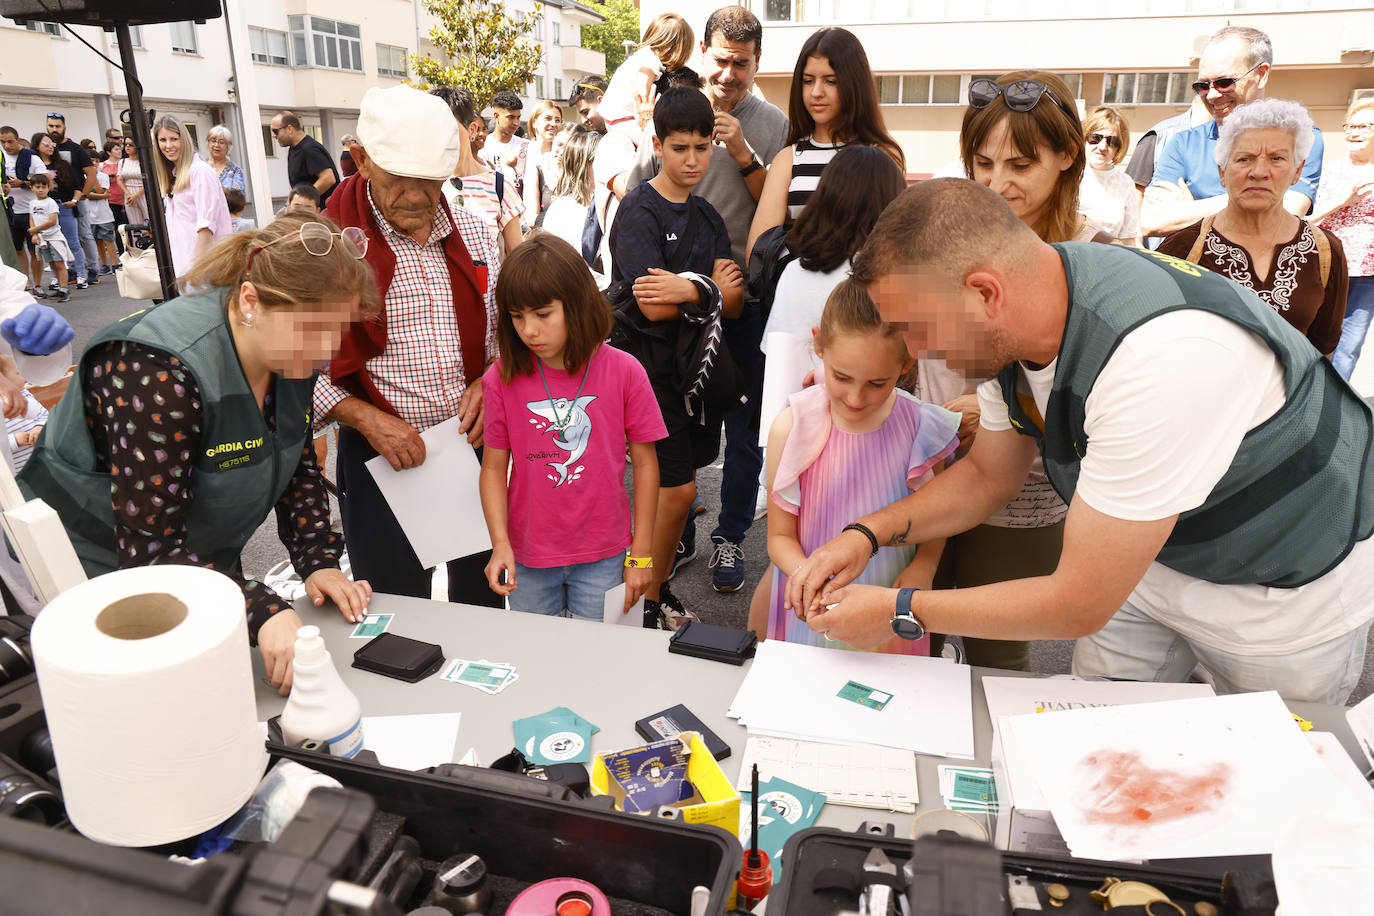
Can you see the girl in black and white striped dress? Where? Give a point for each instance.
(834, 102)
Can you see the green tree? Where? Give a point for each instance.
(486, 48)
(621, 25)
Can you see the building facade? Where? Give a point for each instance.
(1140, 57)
(313, 58)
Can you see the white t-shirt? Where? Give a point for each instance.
(615, 155)
(98, 211)
(565, 218)
(1153, 453)
(39, 211)
(617, 106)
(22, 197)
(496, 153)
(1109, 199)
(800, 299)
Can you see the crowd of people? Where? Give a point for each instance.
(1029, 414)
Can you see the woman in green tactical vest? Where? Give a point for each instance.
(188, 422)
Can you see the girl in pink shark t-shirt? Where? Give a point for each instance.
(564, 406)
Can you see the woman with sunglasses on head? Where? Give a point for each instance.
(185, 424)
(1345, 207)
(130, 178)
(196, 211)
(1107, 196)
(1021, 137)
(834, 102)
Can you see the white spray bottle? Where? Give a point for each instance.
(320, 705)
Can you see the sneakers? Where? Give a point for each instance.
(61, 295)
(667, 613)
(54, 286)
(37, 292)
(686, 548)
(727, 564)
(93, 277)
(81, 283)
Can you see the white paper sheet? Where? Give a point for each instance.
(862, 777)
(437, 503)
(1017, 696)
(790, 691)
(412, 742)
(1206, 777)
(788, 361)
(615, 609)
(1361, 719)
(1322, 866)
(1344, 769)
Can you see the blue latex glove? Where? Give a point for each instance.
(38, 329)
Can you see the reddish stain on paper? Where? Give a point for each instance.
(1119, 788)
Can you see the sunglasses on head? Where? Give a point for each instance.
(319, 241)
(1022, 95)
(58, 115)
(1113, 142)
(1221, 83)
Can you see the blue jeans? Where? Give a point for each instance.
(580, 588)
(1359, 308)
(83, 228)
(66, 220)
(739, 481)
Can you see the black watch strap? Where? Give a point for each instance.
(866, 532)
(751, 168)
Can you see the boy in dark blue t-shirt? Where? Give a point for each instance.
(653, 221)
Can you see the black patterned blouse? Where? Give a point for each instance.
(148, 454)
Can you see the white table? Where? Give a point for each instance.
(609, 675)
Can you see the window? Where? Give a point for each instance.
(1075, 81)
(391, 61)
(267, 46)
(558, 89)
(269, 142)
(136, 36)
(778, 11)
(1147, 88)
(538, 87)
(320, 42)
(51, 28)
(920, 89)
(555, 31)
(314, 131)
(183, 37)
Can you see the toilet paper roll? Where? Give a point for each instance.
(147, 685)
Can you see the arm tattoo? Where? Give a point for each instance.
(900, 538)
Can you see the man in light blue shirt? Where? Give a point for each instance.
(1233, 69)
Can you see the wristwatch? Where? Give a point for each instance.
(904, 623)
(753, 166)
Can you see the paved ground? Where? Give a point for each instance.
(91, 309)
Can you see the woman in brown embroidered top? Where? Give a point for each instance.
(1297, 268)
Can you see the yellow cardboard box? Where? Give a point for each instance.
(720, 802)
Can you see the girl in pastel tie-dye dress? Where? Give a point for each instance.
(848, 446)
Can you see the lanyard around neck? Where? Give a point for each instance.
(558, 421)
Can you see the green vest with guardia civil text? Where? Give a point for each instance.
(1294, 501)
(238, 470)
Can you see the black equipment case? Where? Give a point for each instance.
(389, 826)
(823, 875)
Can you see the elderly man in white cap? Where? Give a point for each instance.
(421, 361)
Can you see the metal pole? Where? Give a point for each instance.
(138, 123)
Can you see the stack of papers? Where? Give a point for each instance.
(867, 698)
(1207, 777)
(486, 676)
(968, 789)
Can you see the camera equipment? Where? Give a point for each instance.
(15, 658)
(23, 797)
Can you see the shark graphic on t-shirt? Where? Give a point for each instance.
(571, 428)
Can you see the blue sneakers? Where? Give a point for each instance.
(727, 564)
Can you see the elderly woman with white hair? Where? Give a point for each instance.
(229, 172)
(1296, 267)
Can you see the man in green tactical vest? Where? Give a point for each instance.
(187, 423)
(1216, 467)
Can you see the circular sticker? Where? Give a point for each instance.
(562, 746)
(784, 804)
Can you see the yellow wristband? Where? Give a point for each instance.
(639, 562)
